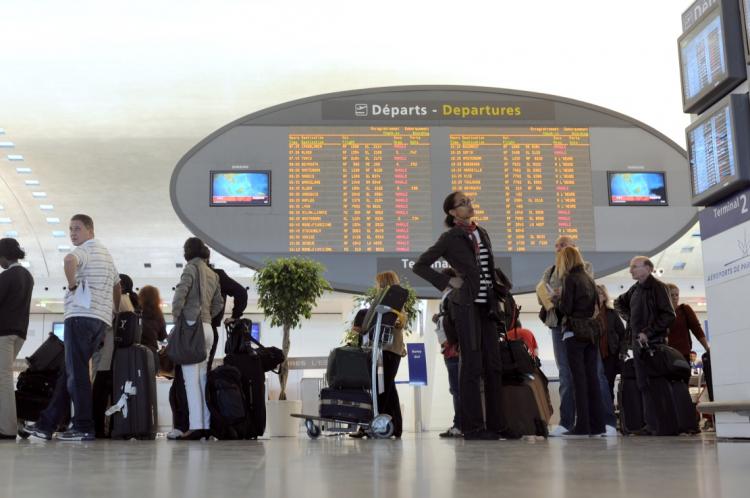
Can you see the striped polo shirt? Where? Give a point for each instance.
(95, 266)
(485, 279)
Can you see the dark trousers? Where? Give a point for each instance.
(388, 401)
(82, 336)
(102, 399)
(480, 360)
(452, 364)
(641, 379)
(583, 358)
(611, 368)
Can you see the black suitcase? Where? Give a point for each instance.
(49, 356)
(349, 368)
(353, 405)
(521, 409)
(665, 361)
(33, 393)
(629, 401)
(254, 384)
(687, 415)
(39, 383)
(225, 399)
(127, 329)
(134, 365)
(660, 392)
(706, 358)
(516, 360)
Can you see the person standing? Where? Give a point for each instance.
(446, 334)
(613, 344)
(16, 285)
(92, 295)
(684, 323)
(647, 308)
(468, 250)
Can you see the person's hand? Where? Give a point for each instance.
(623, 356)
(456, 282)
(435, 317)
(643, 339)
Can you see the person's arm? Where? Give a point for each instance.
(622, 305)
(70, 264)
(423, 266)
(181, 291)
(566, 304)
(542, 293)
(116, 296)
(231, 287)
(217, 302)
(161, 332)
(664, 312)
(695, 326)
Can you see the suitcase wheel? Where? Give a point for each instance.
(312, 430)
(382, 426)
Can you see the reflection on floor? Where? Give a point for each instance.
(413, 467)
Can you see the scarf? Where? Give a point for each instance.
(469, 229)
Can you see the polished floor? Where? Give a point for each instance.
(413, 467)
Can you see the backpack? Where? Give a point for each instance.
(226, 402)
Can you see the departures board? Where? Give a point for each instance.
(356, 180)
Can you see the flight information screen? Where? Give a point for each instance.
(703, 58)
(711, 151)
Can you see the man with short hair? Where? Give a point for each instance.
(648, 309)
(93, 293)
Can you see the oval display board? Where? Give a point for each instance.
(356, 180)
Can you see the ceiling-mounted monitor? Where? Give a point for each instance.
(745, 7)
(712, 56)
(240, 188)
(718, 150)
(637, 188)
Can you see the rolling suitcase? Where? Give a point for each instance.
(49, 356)
(629, 401)
(685, 411)
(349, 368)
(521, 409)
(226, 402)
(660, 393)
(353, 405)
(254, 390)
(134, 414)
(539, 384)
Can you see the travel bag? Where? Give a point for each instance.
(629, 401)
(49, 356)
(354, 405)
(134, 413)
(522, 410)
(226, 401)
(349, 368)
(685, 410)
(253, 389)
(127, 329)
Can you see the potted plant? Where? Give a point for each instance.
(288, 289)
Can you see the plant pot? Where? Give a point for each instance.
(280, 423)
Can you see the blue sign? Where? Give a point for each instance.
(415, 352)
(720, 217)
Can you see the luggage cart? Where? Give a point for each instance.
(381, 424)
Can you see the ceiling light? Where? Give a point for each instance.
(46, 207)
(11, 233)
(63, 248)
(2, 208)
(15, 157)
(23, 170)
(687, 249)
(6, 145)
(39, 195)
(58, 233)
(52, 220)
(31, 182)
(2, 131)
(5, 221)
(679, 265)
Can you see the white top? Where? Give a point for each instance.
(485, 280)
(97, 270)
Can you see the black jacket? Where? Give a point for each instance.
(230, 287)
(457, 248)
(647, 308)
(578, 296)
(16, 285)
(617, 339)
(153, 330)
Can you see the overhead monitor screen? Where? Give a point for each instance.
(711, 58)
(746, 27)
(240, 188)
(637, 188)
(255, 331)
(715, 145)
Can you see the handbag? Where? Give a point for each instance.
(586, 329)
(187, 344)
(166, 366)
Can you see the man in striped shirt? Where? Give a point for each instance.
(93, 293)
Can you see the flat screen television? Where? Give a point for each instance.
(718, 150)
(255, 331)
(240, 188)
(637, 188)
(712, 56)
(58, 328)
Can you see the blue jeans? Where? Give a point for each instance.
(452, 365)
(608, 409)
(567, 399)
(82, 337)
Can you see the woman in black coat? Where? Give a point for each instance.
(613, 344)
(468, 250)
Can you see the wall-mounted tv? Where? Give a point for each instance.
(718, 150)
(712, 56)
(58, 328)
(637, 188)
(240, 188)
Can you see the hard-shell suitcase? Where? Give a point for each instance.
(134, 391)
(254, 389)
(522, 410)
(687, 415)
(349, 368)
(353, 405)
(49, 356)
(629, 401)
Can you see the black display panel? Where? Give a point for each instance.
(718, 150)
(240, 188)
(641, 188)
(712, 56)
(745, 8)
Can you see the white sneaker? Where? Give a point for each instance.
(609, 431)
(557, 431)
(175, 434)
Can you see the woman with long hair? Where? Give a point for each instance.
(468, 250)
(577, 305)
(153, 326)
(613, 344)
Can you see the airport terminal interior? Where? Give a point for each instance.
(314, 153)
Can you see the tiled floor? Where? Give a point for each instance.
(413, 467)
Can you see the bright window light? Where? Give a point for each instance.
(63, 248)
(25, 264)
(11, 233)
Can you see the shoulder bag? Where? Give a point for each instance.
(187, 344)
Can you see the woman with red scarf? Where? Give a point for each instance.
(467, 248)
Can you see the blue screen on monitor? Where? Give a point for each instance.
(240, 188)
(637, 189)
(58, 328)
(255, 331)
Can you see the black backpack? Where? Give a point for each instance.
(225, 399)
(240, 341)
